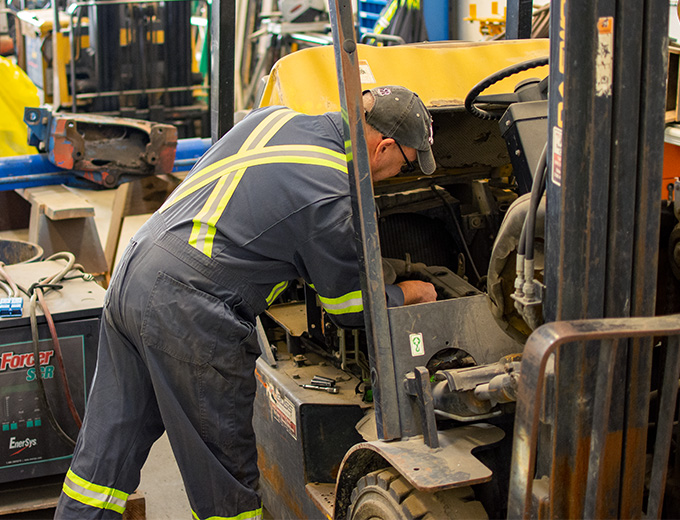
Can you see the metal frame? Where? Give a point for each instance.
(381, 357)
(222, 35)
(545, 342)
(73, 8)
(606, 115)
(519, 19)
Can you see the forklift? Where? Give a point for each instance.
(543, 381)
(126, 59)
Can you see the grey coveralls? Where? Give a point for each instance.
(267, 204)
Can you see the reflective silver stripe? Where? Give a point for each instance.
(253, 141)
(351, 302)
(272, 154)
(95, 497)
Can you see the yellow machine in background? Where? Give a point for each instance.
(35, 52)
(16, 92)
(439, 228)
(115, 60)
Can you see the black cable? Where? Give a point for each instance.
(50, 282)
(452, 213)
(537, 189)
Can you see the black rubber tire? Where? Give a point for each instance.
(386, 495)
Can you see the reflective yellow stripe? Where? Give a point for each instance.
(203, 233)
(248, 515)
(198, 219)
(94, 495)
(212, 221)
(272, 119)
(228, 172)
(350, 302)
(225, 190)
(278, 289)
(268, 155)
(384, 21)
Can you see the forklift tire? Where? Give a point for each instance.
(386, 495)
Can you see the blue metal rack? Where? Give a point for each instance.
(369, 12)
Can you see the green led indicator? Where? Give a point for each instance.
(29, 424)
(5, 427)
(13, 426)
(38, 422)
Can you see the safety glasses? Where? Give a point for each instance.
(409, 166)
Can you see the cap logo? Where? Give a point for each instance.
(383, 91)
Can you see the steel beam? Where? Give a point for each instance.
(519, 19)
(27, 171)
(606, 121)
(381, 357)
(222, 37)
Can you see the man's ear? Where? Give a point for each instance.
(385, 144)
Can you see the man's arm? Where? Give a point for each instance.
(417, 291)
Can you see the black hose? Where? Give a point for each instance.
(452, 213)
(537, 189)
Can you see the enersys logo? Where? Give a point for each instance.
(21, 445)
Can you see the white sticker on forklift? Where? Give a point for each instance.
(604, 64)
(417, 347)
(282, 410)
(365, 73)
(556, 174)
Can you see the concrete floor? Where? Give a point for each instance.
(162, 485)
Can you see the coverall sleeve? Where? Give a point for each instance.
(329, 263)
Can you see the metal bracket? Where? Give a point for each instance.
(418, 384)
(104, 150)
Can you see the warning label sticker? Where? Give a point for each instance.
(282, 410)
(365, 73)
(604, 63)
(417, 347)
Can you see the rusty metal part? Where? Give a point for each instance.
(475, 391)
(104, 148)
(540, 346)
(417, 384)
(449, 466)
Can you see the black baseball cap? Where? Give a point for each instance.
(399, 114)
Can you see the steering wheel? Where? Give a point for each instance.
(502, 99)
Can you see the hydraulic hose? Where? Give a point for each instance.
(458, 228)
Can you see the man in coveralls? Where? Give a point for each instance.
(267, 204)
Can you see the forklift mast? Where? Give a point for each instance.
(606, 121)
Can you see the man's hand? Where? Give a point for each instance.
(417, 291)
